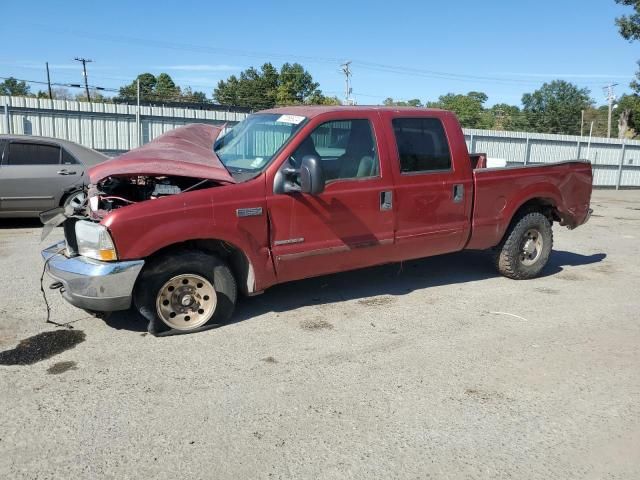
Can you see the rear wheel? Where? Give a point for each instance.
(526, 247)
(185, 292)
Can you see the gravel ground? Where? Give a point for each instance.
(437, 368)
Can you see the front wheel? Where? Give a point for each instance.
(185, 292)
(526, 247)
(75, 199)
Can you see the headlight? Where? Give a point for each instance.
(94, 241)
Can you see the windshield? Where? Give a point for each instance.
(251, 144)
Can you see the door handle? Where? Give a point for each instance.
(386, 201)
(458, 193)
(65, 172)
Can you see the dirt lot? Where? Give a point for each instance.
(437, 368)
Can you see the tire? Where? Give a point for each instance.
(77, 198)
(184, 292)
(526, 247)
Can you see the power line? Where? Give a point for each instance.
(312, 59)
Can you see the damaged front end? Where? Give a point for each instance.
(180, 161)
(117, 192)
(86, 267)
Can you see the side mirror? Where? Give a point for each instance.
(309, 178)
(311, 175)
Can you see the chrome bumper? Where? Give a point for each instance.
(91, 284)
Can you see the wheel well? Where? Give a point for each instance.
(238, 262)
(546, 206)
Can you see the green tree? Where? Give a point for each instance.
(165, 88)
(96, 96)
(189, 95)
(629, 117)
(128, 93)
(629, 28)
(556, 107)
(635, 84)
(254, 88)
(268, 87)
(317, 98)
(629, 25)
(158, 89)
(295, 85)
(597, 116)
(469, 108)
(508, 117)
(390, 102)
(12, 86)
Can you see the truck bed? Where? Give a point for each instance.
(500, 192)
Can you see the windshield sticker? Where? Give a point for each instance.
(290, 119)
(257, 162)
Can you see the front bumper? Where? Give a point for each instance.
(91, 284)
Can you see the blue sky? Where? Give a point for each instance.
(402, 49)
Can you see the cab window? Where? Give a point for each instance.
(347, 149)
(422, 145)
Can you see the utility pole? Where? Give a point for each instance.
(84, 71)
(347, 78)
(610, 96)
(582, 123)
(49, 82)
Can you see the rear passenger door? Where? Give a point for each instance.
(32, 177)
(433, 194)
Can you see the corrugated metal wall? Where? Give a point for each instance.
(616, 163)
(112, 128)
(107, 127)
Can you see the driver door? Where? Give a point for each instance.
(349, 225)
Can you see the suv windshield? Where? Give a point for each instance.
(251, 144)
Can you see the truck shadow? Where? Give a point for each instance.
(393, 279)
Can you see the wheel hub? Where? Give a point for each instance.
(186, 301)
(531, 249)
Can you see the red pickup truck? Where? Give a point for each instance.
(179, 226)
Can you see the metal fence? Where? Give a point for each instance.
(616, 163)
(108, 127)
(115, 128)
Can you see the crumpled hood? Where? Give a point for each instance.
(186, 151)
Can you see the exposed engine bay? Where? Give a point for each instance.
(116, 192)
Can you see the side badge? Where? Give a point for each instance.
(249, 212)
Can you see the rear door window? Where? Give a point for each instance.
(32, 154)
(422, 145)
(68, 159)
